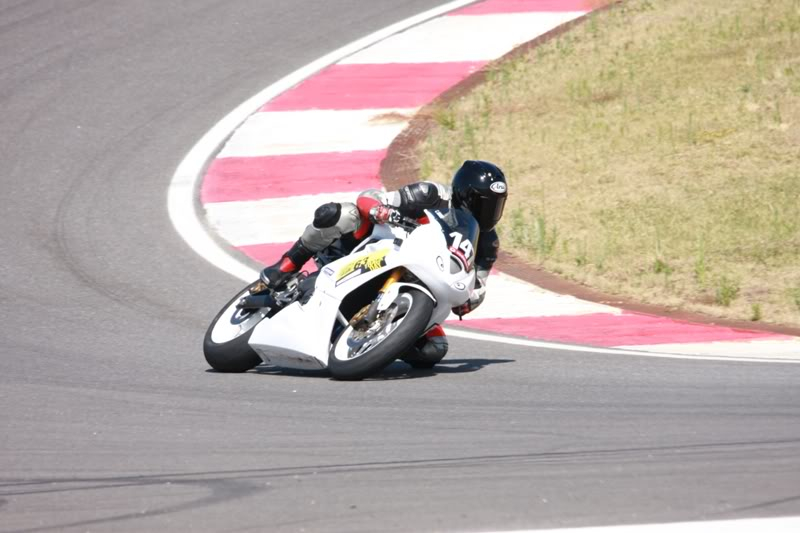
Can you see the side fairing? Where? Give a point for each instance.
(299, 336)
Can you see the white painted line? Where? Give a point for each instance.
(776, 348)
(748, 525)
(514, 341)
(182, 188)
(273, 220)
(462, 38)
(316, 131)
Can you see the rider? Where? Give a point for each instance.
(478, 187)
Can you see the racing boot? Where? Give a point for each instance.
(429, 349)
(275, 275)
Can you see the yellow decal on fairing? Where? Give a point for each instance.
(367, 263)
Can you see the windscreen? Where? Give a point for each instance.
(461, 233)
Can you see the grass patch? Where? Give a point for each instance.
(653, 151)
(727, 291)
(756, 312)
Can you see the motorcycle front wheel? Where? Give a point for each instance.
(226, 342)
(359, 353)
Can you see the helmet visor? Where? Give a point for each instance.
(491, 211)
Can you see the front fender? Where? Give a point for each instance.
(417, 286)
(394, 290)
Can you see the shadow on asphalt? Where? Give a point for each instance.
(397, 370)
(400, 370)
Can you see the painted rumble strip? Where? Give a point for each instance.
(355, 86)
(606, 329)
(523, 6)
(320, 134)
(231, 179)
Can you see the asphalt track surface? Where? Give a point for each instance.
(111, 421)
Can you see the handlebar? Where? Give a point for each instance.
(404, 222)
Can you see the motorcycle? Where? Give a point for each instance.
(359, 313)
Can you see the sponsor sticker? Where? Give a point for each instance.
(365, 263)
(328, 271)
(498, 186)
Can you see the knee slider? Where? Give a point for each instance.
(327, 215)
(435, 347)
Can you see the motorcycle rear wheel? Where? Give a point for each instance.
(357, 354)
(226, 341)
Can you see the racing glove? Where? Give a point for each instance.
(476, 295)
(381, 214)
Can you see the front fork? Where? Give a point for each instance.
(372, 313)
(393, 278)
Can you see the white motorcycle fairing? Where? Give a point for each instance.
(300, 335)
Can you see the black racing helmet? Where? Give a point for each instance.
(480, 188)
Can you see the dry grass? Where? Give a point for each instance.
(653, 151)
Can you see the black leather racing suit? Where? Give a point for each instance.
(338, 227)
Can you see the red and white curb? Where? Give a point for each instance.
(320, 134)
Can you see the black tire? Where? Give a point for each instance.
(234, 355)
(398, 341)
